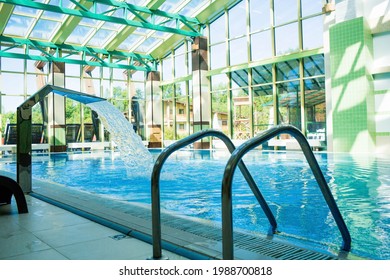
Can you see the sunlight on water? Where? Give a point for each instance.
(133, 152)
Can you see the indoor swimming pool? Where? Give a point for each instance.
(191, 185)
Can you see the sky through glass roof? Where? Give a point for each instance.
(133, 25)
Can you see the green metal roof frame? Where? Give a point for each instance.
(85, 12)
(209, 13)
(149, 16)
(54, 52)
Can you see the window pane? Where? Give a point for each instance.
(13, 84)
(237, 20)
(219, 82)
(218, 56)
(167, 68)
(72, 83)
(289, 101)
(32, 84)
(44, 29)
(240, 78)
(180, 89)
(106, 89)
(314, 65)
(381, 49)
(286, 39)
(217, 30)
(9, 105)
(220, 110)
(238, 51)
(310, 7)
(18, 25)
(138, 89)
(312, 33)
(262, 74)
(313, 87)
(287, 70)
(382, 81)
(138, 76)
(315, 109)
(72, 69)
(106, 72)
(263, 116)
(241, 114)
(285, 11)
(261, 45)
(12, 64)
(180, 67)
(119, 74)
(259, 14)
(31, 63)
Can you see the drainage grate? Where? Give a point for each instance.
(255, 244)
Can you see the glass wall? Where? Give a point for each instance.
(276, 78)
(19, 79)
(176, 93)
(25, 77)
(266, 67)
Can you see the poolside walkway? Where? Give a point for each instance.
(48, 232)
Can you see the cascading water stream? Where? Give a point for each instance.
(132, 150)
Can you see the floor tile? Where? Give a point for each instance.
(68, 235)
(107, 249)
(49, 254)
(18, 244)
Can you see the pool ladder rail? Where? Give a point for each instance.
(235, 161)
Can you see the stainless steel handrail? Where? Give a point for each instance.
(237, 155)
(155, 184)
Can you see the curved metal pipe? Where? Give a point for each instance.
(237, 155)
(155, 183)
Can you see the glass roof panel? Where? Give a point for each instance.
(54, 16)
(112, 26)
(45, 24)
(44, 29)
(192, 7)
(57, 16)
(130, 42)
(18, 25)
(25, 11)
(100, 38)
(90, 22)
(168, 5)
(142, 31)
(79, 34)
(148, 44)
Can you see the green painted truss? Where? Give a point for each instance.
(156, 20)
(49, 52)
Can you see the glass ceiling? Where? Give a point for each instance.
(133, 26)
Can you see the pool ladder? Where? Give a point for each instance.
(236, 160)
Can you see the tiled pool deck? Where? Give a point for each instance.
(48, 232)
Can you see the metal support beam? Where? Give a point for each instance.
(51, 52)
(5, 12)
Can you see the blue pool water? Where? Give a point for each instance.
(191, 185)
